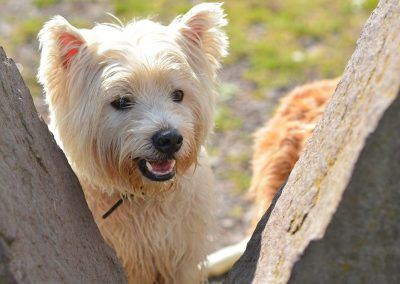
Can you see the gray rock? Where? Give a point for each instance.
(362, 242)
(47, 233)
(337, 217)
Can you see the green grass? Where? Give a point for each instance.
(241, 179)
(26, 31)
(31, 81)
(236, 212)
(269, 34)
(227, 91)
(164, 10)
(226, 120)
(45, 3)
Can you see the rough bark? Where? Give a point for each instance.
(47, 233)
(336, 220)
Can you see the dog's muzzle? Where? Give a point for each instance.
(167, 142)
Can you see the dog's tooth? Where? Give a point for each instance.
(148, 165)
(172, 164)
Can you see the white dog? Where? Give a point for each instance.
(132, 107)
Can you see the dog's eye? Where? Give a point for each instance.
(122, 103)
(177, 96)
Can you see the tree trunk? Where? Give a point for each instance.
(337, 218)
(47, 233)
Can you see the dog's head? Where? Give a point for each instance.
(133, 104)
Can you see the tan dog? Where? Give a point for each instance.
(277, 148)
(132, 107)
(278, 144)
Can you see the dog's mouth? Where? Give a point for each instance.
(161, 170)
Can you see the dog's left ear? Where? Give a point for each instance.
(200, 29)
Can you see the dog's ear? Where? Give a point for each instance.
(60, 42)
(200, 29)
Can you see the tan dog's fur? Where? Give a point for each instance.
(160, 233)
(279, 143)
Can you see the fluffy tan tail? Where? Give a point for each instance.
(221, 261)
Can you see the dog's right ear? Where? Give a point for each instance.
(60, 42)
(61, 46)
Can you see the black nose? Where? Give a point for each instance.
(168, 141)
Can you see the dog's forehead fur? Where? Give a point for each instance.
(140, 65)
(142, 41)
(142, 58)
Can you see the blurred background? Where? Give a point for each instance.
(274, 46)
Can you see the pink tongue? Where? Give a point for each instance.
(164, 166)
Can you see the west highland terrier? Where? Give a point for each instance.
(132, 107)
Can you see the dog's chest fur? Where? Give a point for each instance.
(158, 235)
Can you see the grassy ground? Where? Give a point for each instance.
(274, 45)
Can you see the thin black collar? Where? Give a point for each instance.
(115, 206)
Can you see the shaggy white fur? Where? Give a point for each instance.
(160, 233)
